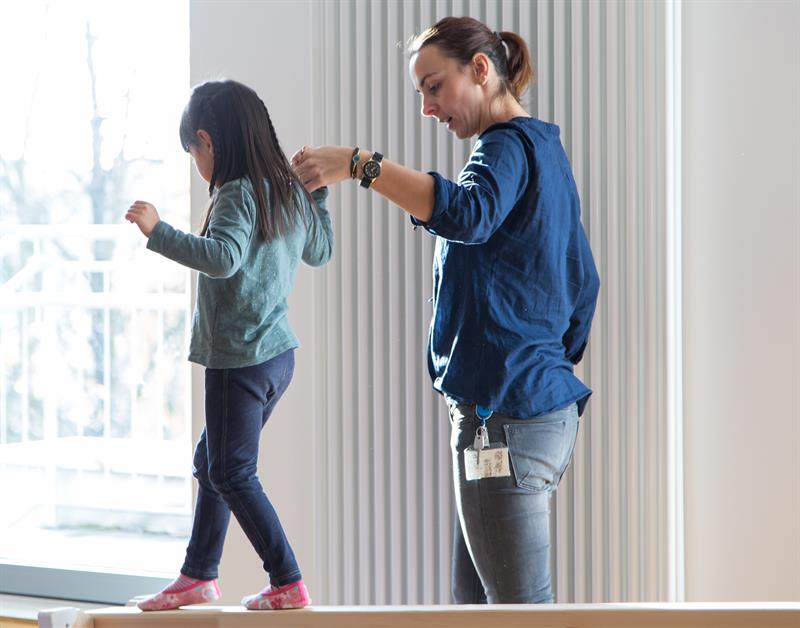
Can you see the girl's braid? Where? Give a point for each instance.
(292, 180)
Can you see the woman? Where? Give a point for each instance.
(514, 293)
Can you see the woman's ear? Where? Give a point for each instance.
(204, 140)
(480, 68)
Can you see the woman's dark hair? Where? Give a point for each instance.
(245, 145)
(461, 38)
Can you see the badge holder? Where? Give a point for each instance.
(483, 459)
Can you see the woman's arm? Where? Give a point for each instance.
(409, 189)
(580, 321)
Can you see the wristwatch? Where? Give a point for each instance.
(371, 170)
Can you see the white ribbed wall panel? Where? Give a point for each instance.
(381, 438)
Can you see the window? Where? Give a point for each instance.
(95, 431)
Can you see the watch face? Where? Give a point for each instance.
(371, 169)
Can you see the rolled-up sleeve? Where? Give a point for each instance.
(470, 210)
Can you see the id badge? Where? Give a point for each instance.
(490, 462)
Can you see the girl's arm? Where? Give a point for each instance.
(218, 254)
(409, 189)
(319, 242)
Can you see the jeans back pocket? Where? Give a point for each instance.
(536, 451)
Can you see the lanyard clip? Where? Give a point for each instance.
(481, 434)
(483, 413)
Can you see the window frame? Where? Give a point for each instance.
(102, 587)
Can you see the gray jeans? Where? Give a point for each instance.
(501, 540)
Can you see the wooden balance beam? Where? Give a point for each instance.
(699, 615)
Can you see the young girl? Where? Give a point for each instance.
(260, 224)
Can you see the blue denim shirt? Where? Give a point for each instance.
(514, 282)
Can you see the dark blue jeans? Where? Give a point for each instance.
(238, 404)
(501, 537)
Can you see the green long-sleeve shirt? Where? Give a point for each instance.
(240, 318)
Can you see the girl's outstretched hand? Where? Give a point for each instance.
(144, 215)
(325, 165)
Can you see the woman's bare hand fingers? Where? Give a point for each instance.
(299, 156)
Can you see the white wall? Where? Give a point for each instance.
(741, 236)
(228, 40)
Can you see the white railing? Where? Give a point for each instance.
(80, 341)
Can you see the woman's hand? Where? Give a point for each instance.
(410, 189)
(144, 215)
(325, 165)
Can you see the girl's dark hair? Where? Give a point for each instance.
(245, 145)
(461, 38)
